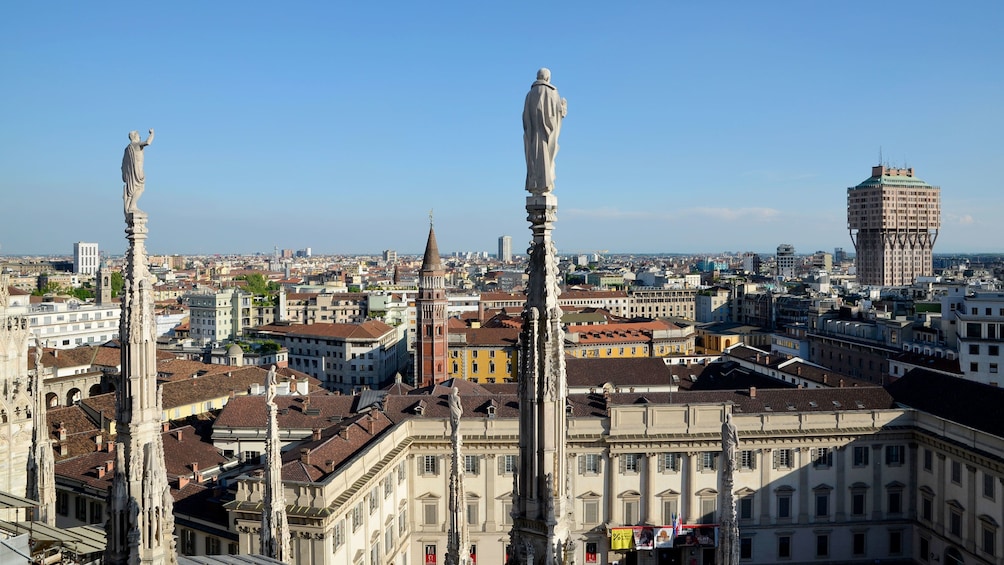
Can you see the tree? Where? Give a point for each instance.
(258, 286)
(117, 283)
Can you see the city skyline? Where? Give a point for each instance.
(690, 129)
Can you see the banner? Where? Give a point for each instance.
(591, 552)
(643, 538)
(664, 537)
(697, 536)
(430, 555)
(621, 538)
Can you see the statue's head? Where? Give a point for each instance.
(134, 136)
(544, 74)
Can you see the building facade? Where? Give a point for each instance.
(85, 258)
(785, 261)
(505, 249)
(893, 218)
(431, 338)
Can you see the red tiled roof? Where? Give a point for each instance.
(370, 329)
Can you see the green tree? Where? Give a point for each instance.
(49, 288)
(117, 283)
(258, 286)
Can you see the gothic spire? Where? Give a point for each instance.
(274, 525)
(41, 473)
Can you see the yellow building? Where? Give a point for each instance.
(483, 355)
(656, 338)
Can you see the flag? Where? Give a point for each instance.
(677, 525)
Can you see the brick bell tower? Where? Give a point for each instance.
(430, 317)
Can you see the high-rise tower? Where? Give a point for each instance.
(893, 219)
(505, 249)
(430, 317)
(541, 506)
(140, 526)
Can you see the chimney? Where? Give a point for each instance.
(758, 358)
(766, 360)
(62, 450)
(195, 466)
(825, 378)
(329, 465)
(305, 456)
(110, 446)
(840, 383)
(100, 471)
(752, 392)
(61, 431)
(165, 427)
(109, 465)
(183, 482)
(55, 353)
(798, 370)
(370, 423)
(178, 434)
(316, 434)
(98, 442)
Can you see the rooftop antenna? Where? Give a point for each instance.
(880, 155)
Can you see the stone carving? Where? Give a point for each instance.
(132, 170)
(543, 111)
(456, 408)
(274, 523)
(728, 545)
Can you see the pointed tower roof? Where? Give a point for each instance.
(431, 260)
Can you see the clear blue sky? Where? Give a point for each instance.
(692, 126)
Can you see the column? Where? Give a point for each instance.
(688, 494)
(971, 509)
(765, 493)
(939, 498)
(803, 484)
(911, 489)
(489, 468)
(614, 511)
(840, 464)
(648, 495)
(877, 487)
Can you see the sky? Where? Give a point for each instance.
(692, 127)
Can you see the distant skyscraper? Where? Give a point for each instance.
(85, 258)
(786, 261)
(505, 249)
(893, 219)
(839, 256)
(390, 256)
(430, 317)
(751, 262)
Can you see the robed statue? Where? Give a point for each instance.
(456, 408)
(543, 111)
(132, 170)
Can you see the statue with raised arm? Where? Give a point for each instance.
(543, 112)
(271, 383)
(132, 170)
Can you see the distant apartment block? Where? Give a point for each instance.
(785, 261)
(893, 219)
(65, 325)
(219, 316)
(505, 249)
(979, 326)
(712, 305)
(85, 258)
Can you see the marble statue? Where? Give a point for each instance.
(727, 552)
(730, 443)
(132, 170)
(543, 111)
(456, 409)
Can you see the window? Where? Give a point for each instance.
(822, 503)
(669, 510)
(357, 516)
(894, 455)
(928, 460)
(472, 512)
(212, 545)
(858, 544)
(429, 465)
(388, 540)
(507, 513)
(747, 460)
(974, 349)
(994, 350)
(471, 466)
(861, 455)
(989, 486)
(98, 512)
(507, 464)
(630, 511)
(784, 505)
(784, 547)
(629, 463)
(187, 542)
(63, 503)
(669, 463)
(591, 512)
(822, 545)
(745, 508)
(927, 508)
(895, 501)
(823, 459)
(783, 459)
(339, 537)
(80, 508)
(858, 503)
(589, 464)
(709, 507)
(707, 461)
(957, 472)
(430, 513)
(401, 472)
(745, 548)
(955, 521)
(895, 542)
(925, 549)
(989, 538)
(374, 500)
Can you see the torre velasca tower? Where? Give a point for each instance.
(893, 218)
